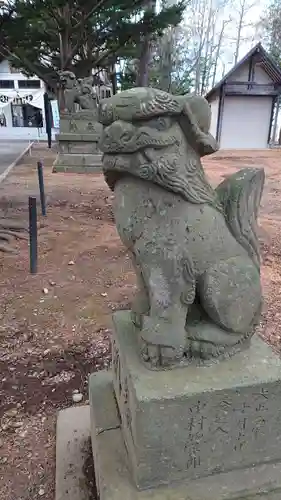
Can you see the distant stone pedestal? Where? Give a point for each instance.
(78, 143)
(193, 433)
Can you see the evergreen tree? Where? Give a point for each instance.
(170, 68)
(271, 25)
(44, 36)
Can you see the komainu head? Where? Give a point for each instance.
(160, 138)
(67, 79)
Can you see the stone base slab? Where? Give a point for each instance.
(113, 478)
(78, 163)
(78, 143)
(82, 114)
(77, 137)
(196, 420)
(78, 147)
(76, 169)
(72, 449)
(80, 124)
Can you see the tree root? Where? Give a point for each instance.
(11, 229)
(12, 224)
(7, 248)
(5, 236)
(15, 234)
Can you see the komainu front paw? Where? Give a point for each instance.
(160, 343)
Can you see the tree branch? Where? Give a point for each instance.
(33, 68)
(135, 4)
(89, 14)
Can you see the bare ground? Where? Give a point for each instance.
(50, 342)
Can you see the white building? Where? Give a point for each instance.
(21, 104)
(245, 103)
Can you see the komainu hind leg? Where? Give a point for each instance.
(230, 293)
(206, 340)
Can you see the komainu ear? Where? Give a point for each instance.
(201, 141)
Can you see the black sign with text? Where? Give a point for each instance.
(4, 99)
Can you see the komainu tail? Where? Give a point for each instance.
(240, 195)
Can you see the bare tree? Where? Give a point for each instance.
(218, 50)
(242, 12)
(212, 33)
(207, 24)
(201, 11)
(208, 50)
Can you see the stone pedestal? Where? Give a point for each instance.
(196, 433)
(78, 143)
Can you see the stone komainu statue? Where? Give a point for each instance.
(78, 91)
(194, 249)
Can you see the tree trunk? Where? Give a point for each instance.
(206, 61)
(218, 52)
(239, 30)
(144, 60)
(145, 54)
(166, 63)
(113, 79)
(201, 43)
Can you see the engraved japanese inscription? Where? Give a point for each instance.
(229, 427)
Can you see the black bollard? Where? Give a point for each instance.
(41, 187)
(32, 234)
(48, 118)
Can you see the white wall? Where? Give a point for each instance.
(246, 119)
(241, 74)
(214, 105)
(245, 122)
(7, 74)
(260, 76)
(4, 67)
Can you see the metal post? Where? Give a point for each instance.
(48, 118)
(41, 187)
(32, 234)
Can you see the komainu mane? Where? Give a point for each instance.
(194, 248)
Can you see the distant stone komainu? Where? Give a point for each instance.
(78, 91)
(194, 248)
